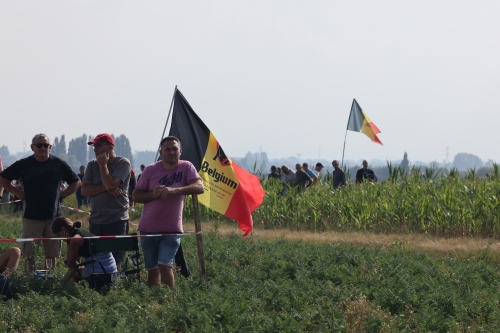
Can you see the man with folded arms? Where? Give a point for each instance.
(106, 182)
(40, 176)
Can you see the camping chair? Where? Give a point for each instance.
(103, 245)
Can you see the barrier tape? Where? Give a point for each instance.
(76, 209)
(21, 240)
(9, 202)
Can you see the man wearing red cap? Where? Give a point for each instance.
(106, 182)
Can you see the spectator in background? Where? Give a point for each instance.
(302, 178)
(287, 178)
(338, 175)
(106, 181)
(131, 188)
(318, 168)
(274, 173)
(142, 170)
(365, 174)
(82, 200)
(40, 176)
(313, 175)
(1, 188)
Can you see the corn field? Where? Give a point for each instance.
(419, 201)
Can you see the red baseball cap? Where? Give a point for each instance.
(102, 138)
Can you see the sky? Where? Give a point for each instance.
(273, 76)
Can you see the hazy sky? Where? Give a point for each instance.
(273, 75)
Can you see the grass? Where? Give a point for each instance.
(269, 286)
(280, 281)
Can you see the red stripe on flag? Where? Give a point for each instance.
(247, 198)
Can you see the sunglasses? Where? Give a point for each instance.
(44, 145)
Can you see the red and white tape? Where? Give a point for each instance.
(20, 240)
(76, 209)
(9, 202)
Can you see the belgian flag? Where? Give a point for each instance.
(359, 122)
(229, 189)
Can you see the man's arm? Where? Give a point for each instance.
(7, 184)
(89, 190)
(109, 182)
(315, 179)
(311, 181)
(144, 196)
(70, 189)
(194, 188)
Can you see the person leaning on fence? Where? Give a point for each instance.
(41, 176)
(162, 189)
(79, 247)
(338, 175)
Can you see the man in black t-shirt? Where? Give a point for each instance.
(365, 173)
(40, 176)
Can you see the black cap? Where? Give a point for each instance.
(319, 164)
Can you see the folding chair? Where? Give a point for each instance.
(104, 245)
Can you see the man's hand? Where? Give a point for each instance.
(19, 194)
(157, 191)
(165, 192)
(102, 159)
(161, 192)
(117, 192)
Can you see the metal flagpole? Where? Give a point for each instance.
(343, 151)
(168, 117)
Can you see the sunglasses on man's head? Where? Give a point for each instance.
(40, 145)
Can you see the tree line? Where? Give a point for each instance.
(77, 152)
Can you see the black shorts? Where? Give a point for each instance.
(111, 229)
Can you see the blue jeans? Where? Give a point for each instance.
(159, 250)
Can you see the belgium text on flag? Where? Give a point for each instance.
(359, 122)
(229, 189)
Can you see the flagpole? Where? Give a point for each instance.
(343, 151)
(345, 137)
(164, 129)
(199, 238)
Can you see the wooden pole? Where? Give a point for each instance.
(199, 238)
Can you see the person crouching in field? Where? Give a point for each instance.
(10, 260)
(8, 263)
(79, 247)
(162, 189)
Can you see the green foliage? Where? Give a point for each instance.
(276, 287)
(418, 202)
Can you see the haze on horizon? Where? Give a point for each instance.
(265, 76)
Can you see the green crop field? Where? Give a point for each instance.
(420, 202)
(288, 286)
